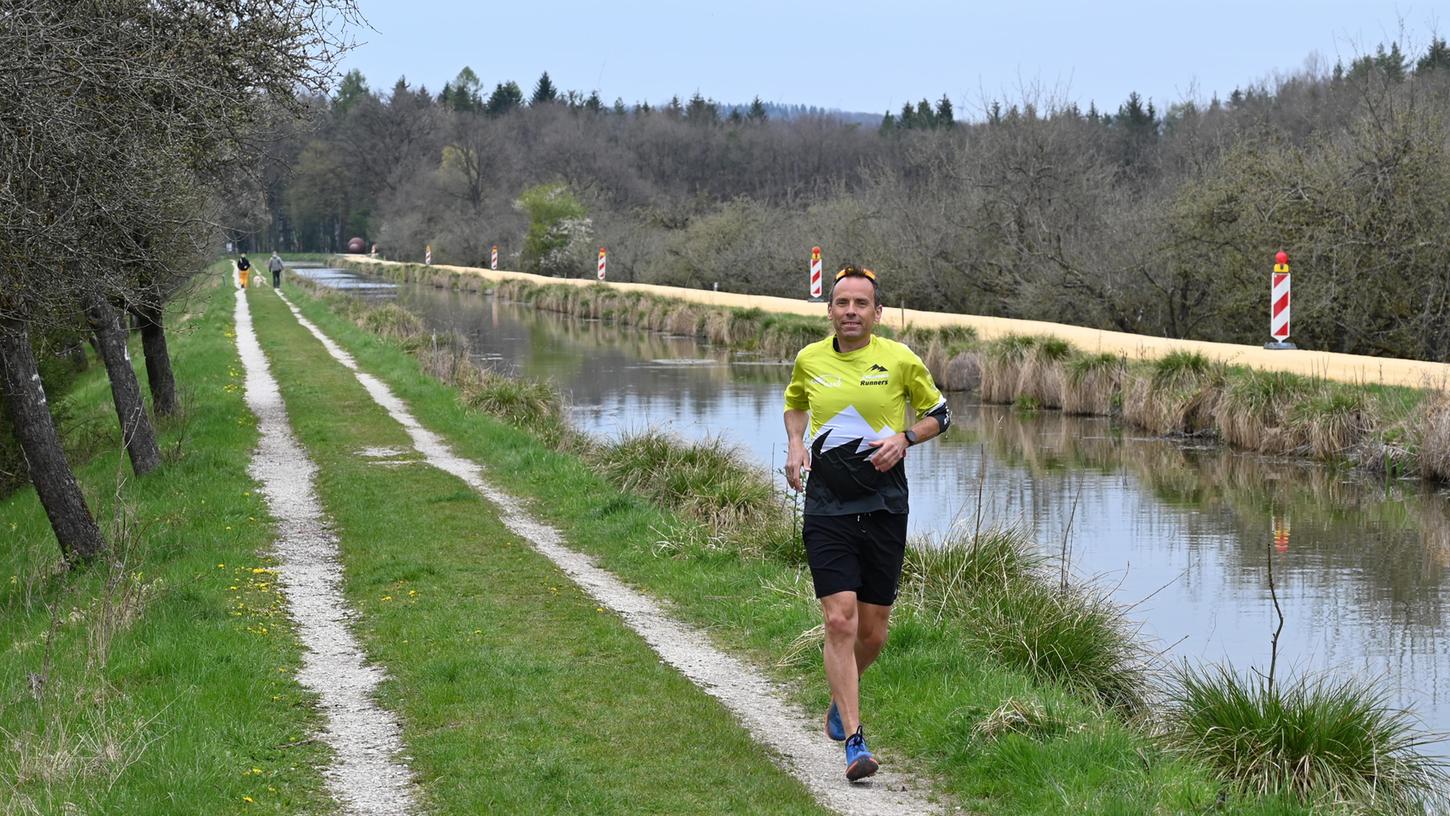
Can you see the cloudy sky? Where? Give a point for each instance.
(872, 57)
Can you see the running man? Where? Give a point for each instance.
(244, 269)
(856, 389)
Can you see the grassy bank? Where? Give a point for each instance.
(158, 680)
(1393, 430)
(1021, 696)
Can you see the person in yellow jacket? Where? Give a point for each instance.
(857, 391)
(244, 270)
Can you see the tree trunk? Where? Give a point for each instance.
(158, 360)
(56, 486)
(136, 428)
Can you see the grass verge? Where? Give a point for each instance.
(517, 693)
(159, 679)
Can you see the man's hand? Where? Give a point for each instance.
(797, 464)
(889, 451)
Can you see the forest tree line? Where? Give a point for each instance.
(1161, 221)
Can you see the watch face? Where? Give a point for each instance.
(910, 437)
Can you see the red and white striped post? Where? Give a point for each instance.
(493, 258)
(428, 255)
(1279, 304)
(816, 295)
(601, 263)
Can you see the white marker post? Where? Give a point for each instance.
(601, 263)
(816, 296)
(428, 255)
(1279, 304)
(493, 258)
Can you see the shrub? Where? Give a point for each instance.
(559, 242)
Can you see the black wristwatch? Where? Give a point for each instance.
(910, 437)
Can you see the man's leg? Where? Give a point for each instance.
(840, 613)
(871, 623)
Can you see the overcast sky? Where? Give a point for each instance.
(872, 57)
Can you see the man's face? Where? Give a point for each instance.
(853, 308)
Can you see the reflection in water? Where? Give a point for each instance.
(1182, 531)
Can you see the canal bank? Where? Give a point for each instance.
(1390, 429)
(1347, 368)
(701, 557)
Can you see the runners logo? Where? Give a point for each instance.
(877, 367)
(875, 375)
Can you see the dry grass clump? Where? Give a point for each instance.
(716, 328)
(1252, 408)
(391, 322)
(1333, 420)
(782, 336)
(1430, 425)
(963, 372)
(684, 320)
(1175, 394)
(1002, 363)
(1092, 384)
(1018, 716)
(1040, 380)
(727, 502)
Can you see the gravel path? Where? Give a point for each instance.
(794, 736)
(364, 775)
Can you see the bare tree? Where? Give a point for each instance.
(111, 113)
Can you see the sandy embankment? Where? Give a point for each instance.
(1351, 368)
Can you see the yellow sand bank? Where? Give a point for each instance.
(1352, 368)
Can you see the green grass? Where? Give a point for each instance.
(518, 693)
(927, 700)
(163, 681)
(1309, 741)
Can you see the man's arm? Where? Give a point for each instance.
(892, 449)
(797, 460)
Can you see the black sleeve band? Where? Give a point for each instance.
(942, 414)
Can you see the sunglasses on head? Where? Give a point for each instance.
(851, 271)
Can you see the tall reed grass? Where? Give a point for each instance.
(1001, 595)
(1334, 745)
(1002, 364)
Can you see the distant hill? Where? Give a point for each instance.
(779, 112)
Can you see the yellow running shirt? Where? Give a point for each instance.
(854, 399)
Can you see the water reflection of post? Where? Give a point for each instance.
(1281, 533)
(493, 310)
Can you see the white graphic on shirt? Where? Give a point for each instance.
(849, 425)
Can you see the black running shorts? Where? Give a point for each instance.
(859, 553)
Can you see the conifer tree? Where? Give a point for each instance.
(757, 111)
(544, 91)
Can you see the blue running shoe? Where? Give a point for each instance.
(859, 761)
(834, 728)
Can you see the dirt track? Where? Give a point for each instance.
(1352, 368)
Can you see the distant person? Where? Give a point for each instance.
(275, 265)
(856, 389)
(244, 269)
